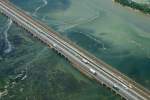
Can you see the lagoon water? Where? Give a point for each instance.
(32, 71)
(120, 36)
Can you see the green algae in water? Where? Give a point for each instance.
(48, 76)
(118, 34)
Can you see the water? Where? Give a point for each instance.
(31, 71)
(9, 47)
(118, 35)
(39, 7)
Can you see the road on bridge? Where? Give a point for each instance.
(81, 59)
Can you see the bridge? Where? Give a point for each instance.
(81, 59)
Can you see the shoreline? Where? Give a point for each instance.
(134, 9)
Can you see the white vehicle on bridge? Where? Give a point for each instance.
(115, 87)
(54, 45)
(130, 85)
(85, 61)
(92, 71)
(126, 87)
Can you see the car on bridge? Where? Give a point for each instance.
(93, 71)
(115, 87)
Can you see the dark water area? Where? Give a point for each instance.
(110, 32)
(27, 5)
(135, 67)
(32, 71)
(53, 6)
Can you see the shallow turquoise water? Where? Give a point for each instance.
(32, 71)
(118, 35)
(29, 70)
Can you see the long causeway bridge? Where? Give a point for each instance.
(81, 59)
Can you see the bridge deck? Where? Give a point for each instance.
(83, 60)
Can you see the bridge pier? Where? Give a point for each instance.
(74, 54)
